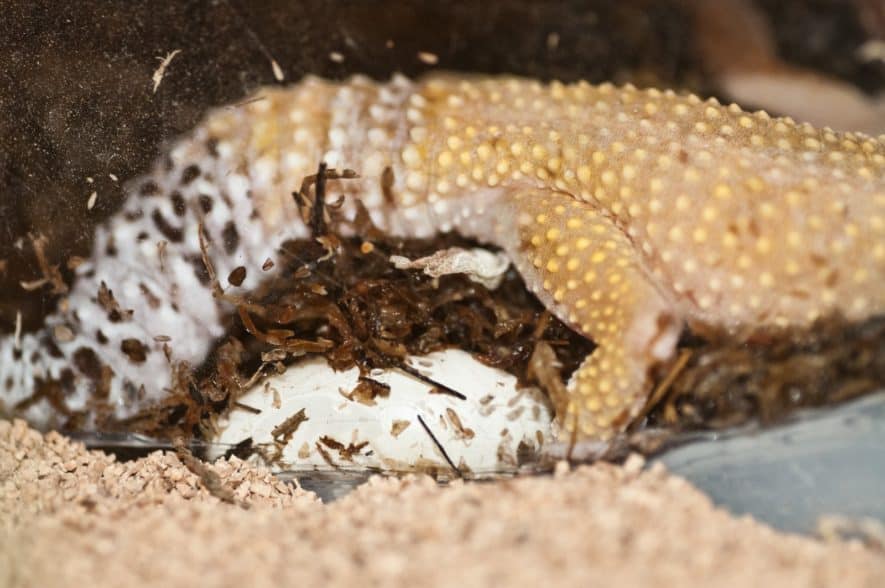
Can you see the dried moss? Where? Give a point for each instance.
(725, 383)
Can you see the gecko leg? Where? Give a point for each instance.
(581, 265)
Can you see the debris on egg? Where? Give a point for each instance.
(452, 416)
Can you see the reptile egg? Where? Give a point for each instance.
(309, 418)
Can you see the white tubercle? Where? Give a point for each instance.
(489, 431)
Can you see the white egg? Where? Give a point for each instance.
(490, 428)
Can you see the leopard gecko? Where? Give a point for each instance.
(630, 213)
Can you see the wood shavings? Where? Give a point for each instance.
(287, 428)
(398, 426)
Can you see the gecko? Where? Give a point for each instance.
(630, 213)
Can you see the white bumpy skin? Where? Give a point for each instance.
(628, 212)
(233, 175)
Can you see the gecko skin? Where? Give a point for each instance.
(630, 213)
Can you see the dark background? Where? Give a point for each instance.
(76, 97)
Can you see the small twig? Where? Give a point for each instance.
(544, 367)
(209, 478)
(326, 457)
(317, 224)
(245, 102)
(440, 447)
(256, 376)
(217, 291)
(302, 199)
(51, 273)
(289, 426)
(247, 408)
(31, 285)
(278, 73)
(661, 390)
(427, 380)
(17, 338)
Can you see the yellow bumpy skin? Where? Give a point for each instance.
(628, 212)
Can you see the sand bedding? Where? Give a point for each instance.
(76, 517)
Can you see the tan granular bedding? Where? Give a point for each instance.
(75, 517)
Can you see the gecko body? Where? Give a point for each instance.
(629, 212)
